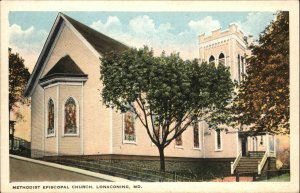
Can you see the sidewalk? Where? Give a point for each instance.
(233, 179)
(28, 170)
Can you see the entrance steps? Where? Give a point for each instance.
(249, 163)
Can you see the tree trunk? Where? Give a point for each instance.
(162, 159)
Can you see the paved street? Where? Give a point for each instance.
(25, 170)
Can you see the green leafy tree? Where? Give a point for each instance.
(263, 98)
(18, 78)
(166, 93)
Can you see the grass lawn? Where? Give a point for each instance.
(282, 178)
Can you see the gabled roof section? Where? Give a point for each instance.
(64, 68)
(98, 42)
(102, 43)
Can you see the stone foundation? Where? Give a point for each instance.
(192, 167)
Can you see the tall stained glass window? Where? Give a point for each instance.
(196, 135)
(156, 129)
(178, 140)
(50, 129)
(129, 126)
(70, 117)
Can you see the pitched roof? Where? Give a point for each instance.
(98, 41)
(65, 67)
(102, 43)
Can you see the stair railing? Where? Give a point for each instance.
(262, 162)
(235, 163)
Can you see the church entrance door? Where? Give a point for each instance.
(244, 146)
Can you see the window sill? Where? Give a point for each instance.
(130, 142)
(179, 147)
(50, 136)
(197, 148)
(218, 150)
(70, 135)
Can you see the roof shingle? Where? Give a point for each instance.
(65, 67)
(102, 43)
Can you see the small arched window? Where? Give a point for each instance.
(211, 59)
(50, 126)
(70, 117)
(222, 59)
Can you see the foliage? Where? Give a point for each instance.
(263, 97)
(18, 78)
(166, 93)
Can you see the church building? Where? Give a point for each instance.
(69, 118)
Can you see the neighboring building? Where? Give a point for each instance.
(68, 117)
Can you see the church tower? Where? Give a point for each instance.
(227, 47)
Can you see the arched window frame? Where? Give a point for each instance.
(213, 60)
(218, 132)
(77, 117)
(123, 129)
(225, 64)
(47, 119)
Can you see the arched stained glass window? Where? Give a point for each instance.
(70, 116)
(129, 126)
(50, 128)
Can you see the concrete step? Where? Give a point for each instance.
(244, 167)
(249, 166)
(256, 154)
(250, 158)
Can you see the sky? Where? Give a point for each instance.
(168, 31)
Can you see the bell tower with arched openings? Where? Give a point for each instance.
(227, 47)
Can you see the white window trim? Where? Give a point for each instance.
(77, 118)
(46, 121)
(199, 138)
(123, 132)
(216, 141)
